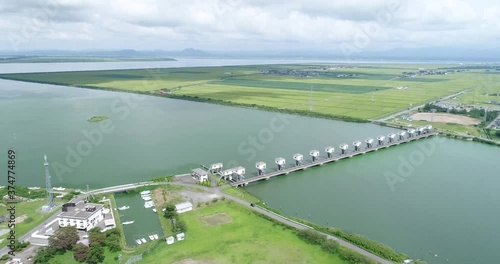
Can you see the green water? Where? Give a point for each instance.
(447, 205)
(446, 211)
(146, 222)
(147, 136)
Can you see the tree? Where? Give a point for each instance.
(97, 237)
(95, 254)
(114, 245)
(113, 240)
(64, 238)
(180, 225)
(95, 230)
(170, 211)
(80, 252)
(330, 246)
(44, 255)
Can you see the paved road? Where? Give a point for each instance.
(217, 191)
(493, 122)
(292, 223)
(27, 236)
(383, 119)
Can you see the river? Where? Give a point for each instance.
(434, 199)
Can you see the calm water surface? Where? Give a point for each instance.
(443, 208)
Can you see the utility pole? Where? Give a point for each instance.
(48, 186)
(311, 104)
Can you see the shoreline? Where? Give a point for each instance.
(262, 108)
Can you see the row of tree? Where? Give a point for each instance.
(66, 238)
(178, 225)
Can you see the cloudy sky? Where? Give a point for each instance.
(329, 25)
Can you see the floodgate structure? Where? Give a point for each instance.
(236, 176)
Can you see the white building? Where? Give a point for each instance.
(183, 207)
(180, 236)
(83, 216)
(200, 175)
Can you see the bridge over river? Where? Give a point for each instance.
(413, 135)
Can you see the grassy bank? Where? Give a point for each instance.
(361, 241)
(369, 92)
(239, 236)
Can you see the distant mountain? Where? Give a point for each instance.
(125, 53)
(400, 54)
(193, 53)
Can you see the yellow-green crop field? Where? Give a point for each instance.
(370, 93)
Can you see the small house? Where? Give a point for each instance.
(200, 175)
(180, 236)
(183, 207)
(170, 240)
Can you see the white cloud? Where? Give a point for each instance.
(262, 24)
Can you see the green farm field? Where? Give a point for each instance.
(367, 92)
(243, 237)
(484, 95)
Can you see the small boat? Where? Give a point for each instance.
(147, 198)
(154, 210)
(138, 241)
(164, 209)
(145, 192)
(127, 222)
(143, 240)
(148, 204)
(151, 237)
(123, 207)
(155, 236)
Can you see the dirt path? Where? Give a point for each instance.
(446, 118)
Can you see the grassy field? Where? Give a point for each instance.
(369, 92)
(444, 127)
(67, 258)
(242, 238)
(33, 217)
(240, 193)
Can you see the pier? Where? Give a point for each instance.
(412, 136)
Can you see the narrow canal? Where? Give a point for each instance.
(145, 221)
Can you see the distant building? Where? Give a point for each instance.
(83, 216)
(200, 175)
(407, 117)
(183, 207)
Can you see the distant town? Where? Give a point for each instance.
(313, 71)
